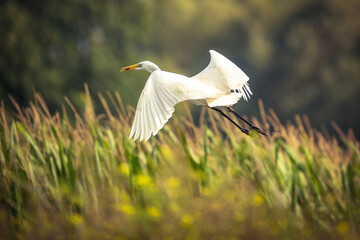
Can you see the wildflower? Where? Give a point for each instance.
(125, 208)
(258, 200)
(166, 151)
(143, 181)
(187, 221)
(76, 219)
(172, 182)
(124, 169)
(342, 227)
(153, 212)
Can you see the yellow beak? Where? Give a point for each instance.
(128, 68)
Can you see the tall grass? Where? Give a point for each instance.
(72, 176)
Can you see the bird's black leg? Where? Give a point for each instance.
(247, 122)
(228, 118)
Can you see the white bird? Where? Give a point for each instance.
(221, 83)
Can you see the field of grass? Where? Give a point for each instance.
(67, 176)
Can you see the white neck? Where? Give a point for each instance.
(148, 66)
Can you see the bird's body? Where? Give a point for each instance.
(221, 83)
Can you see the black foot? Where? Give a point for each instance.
(259, 130)
(247, 122)
(244, 130)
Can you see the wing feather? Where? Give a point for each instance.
(156, 116)
(135, 130)
(147, 122)
(142, 125)
(152, 118)
(224, 75)
(167, 100)
(159, 113)
(162, 91)
(159, 105)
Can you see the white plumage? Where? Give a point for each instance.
(221, 83)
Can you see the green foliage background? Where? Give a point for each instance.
(302, 56)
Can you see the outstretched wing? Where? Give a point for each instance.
(224, 75)
(156, 103)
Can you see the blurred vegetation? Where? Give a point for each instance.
(78, 176)
(302, 56)
(86, 180)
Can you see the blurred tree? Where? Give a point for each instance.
(306, 58)
(56, 46)
(302, 56)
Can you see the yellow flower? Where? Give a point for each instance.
(172, 182)
(258, 200)
(187, 221)
(153, 212)
(166, 151)
(124, 169)
(76, 219)
(143, 181)
(125, 208)
(342, 227)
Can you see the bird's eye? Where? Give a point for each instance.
(139, 65)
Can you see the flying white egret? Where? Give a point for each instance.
(221, 83)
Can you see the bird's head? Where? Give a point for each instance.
(145, 65)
